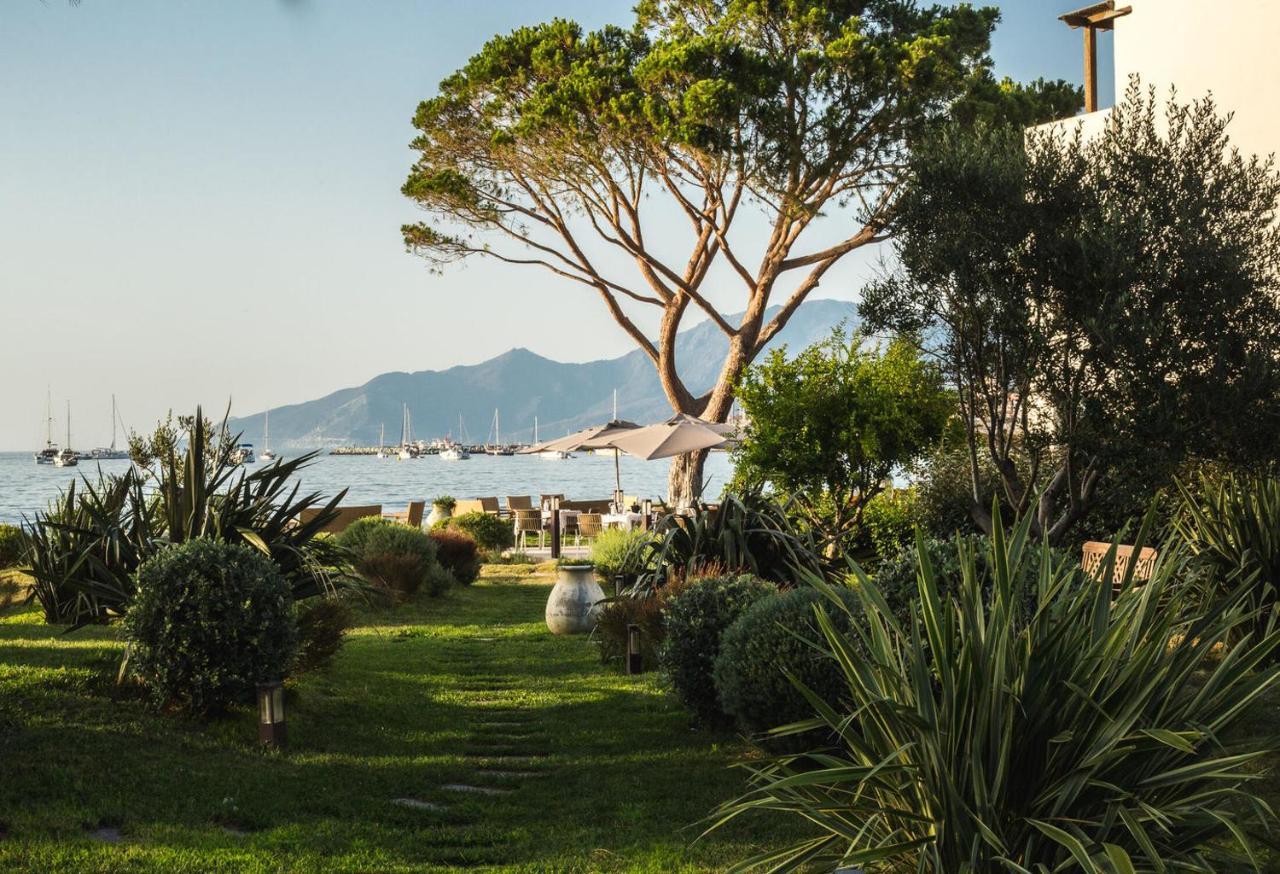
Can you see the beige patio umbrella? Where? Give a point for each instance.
(679, 435)
(597, 437)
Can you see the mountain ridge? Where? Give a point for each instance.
(522, 384)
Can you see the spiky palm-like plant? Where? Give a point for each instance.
(1088, 735)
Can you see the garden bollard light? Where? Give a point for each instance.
(635, 664)
(271, 724)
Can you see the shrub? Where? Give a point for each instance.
(748, 533)
(1084, 738)
(458, 553)
(889, 521)
(85, 549)
(775, 640)
(645, 610)
(618, 551)
(13, 546)
(322, 629)
(400, 560)
(695, 620)
(210, 621)
(354, 537)
(489, 532)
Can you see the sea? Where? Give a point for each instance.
(26, 487)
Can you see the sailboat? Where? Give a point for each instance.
(111, 452)
(548, 454)
(50, 452)
(407, 449)
(267, 454)
(382, 440)
(68, 457)
(496, 447)
(455, 451)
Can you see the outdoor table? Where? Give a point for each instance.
(622, 520)
(565, 516)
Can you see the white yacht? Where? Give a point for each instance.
(267, 454)
(554, 455)
(49, 454)
(110, 452)
(68, 457)
(456, 452)
(243, 454)
(382, 441)
(407, 449)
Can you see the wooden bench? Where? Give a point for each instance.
(1094, 556)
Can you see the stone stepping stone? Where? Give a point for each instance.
(234, 832)
(507, 760)
(107, 834)
(475, 790)
(418, 804)
(511, 775)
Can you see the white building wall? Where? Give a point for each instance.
(1228, 47)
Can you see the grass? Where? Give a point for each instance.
(578, 767)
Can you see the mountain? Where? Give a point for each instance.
(522, 385)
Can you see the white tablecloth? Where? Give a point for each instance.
(565, 516)
(622, 520)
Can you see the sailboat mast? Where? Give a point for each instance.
(48, 425)
(68, 444)
(266, 431)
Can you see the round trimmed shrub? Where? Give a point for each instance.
(696, 618)
(401, 560)
(774, 638)
(209, 622)
(355, 535)
(457, 553)
(491, 533)
(13, 546)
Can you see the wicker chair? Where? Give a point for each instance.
(527, 521)
(1094, 555)
(490, 506)
(589, 525)
(519, 502)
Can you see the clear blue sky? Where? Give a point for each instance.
(201, 200)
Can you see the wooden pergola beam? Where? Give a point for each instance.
(1099, 16)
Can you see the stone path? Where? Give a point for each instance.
(503, 748)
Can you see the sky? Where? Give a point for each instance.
(200, 201)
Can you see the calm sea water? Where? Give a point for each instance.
(26, 486)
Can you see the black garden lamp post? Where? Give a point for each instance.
(635, 664)
(271, 724)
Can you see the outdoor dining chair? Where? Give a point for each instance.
(528, 521)
(519, 502)
(589, 525)
(411, 516)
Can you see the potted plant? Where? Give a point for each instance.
(576, 599)
(441, 508)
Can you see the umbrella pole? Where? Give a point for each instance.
(617, 477)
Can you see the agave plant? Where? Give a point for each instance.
(748, 533)
(86, 548)
(1232, 524)
(1086, 736)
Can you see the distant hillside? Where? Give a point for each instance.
(522, 385)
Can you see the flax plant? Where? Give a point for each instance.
(1088, 734)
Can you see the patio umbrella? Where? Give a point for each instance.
(679, 435)
(597, 437)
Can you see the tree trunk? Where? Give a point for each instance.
(684, 481)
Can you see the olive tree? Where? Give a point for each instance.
(1107, 308)
(775, 133)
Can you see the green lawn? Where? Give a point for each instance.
(568, 766)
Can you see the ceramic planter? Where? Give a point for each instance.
(574, 604)
(437, 513)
